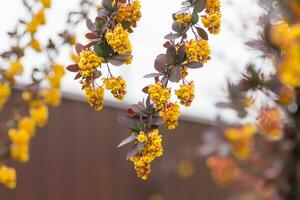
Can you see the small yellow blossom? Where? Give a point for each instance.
(197, 51)
(19, 149)
(159, 95)
(212, 22)
(142, 137)
(39, 112)
(35, 44)
(170, 114)
(186, 93)
(241, 139)
(32, 26)
(40, 16)
(88, 63)
(129, 13)
(27, 124)
(183, 18)
(26, 96)
(118, 39)
(5, 91)
(52, 97)
(95, 97)
(55, 75)
(8, 176)
(117, 86)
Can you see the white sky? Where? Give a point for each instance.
(229, 53)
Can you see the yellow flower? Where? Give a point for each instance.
(186, 93)
(16, 67)
(213, 6)
(270, 123)
(212, 22)
(159, 95)
(241, 140)
(26, 96)
(117, 86)
(35, 44)
(129, 13)
(39, 112)
(32, 26)
(95, 97)
(4, 93)
(248, 102)
(170, 114)
(152, 149)
(8, 176)
(40, 17)
(20, 136)
(20, 152)
(224, 170)
(46, 3)
(183, 18)
(88, 63)
(142, 137)
(118, 39)
(27, 124)
(289, 72)
(52, 97)
(55, 75)
(197, 51)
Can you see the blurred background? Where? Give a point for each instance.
(75, 156)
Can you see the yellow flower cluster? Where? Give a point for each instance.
(37, 20)
(270, 123)
(19, 149)
(224, 170)
(170, 114)
(15, 69)
(35, 44)
(52, 96)
(289, 72)
(8, 176)
(159, 95)
(152, 149)
(183, 18)
(197, 51)
(118, 40)
(241, 140)
(95, 97)
(88, 63)
(212, 19)
(55, 75)
(5, 91)
(185, 93)
(117, 86)
(129, 13)
(39, 112)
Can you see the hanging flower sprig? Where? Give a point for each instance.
(109, 45)
(182, 54)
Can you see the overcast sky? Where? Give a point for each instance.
(229, 54)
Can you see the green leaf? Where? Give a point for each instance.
(199, 6)
(195, 18)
